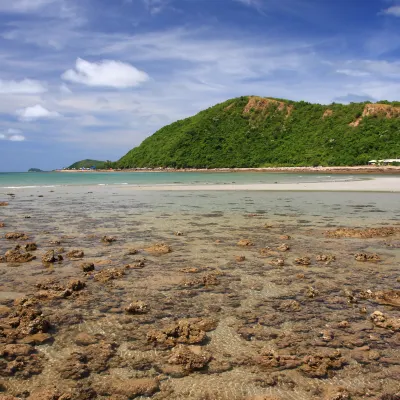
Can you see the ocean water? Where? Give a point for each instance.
(33, 179)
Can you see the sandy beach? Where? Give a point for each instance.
(361, 169)
(371, 185)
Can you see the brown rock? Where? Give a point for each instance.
(128, 387)
(107, 275)
(271, 360)
(158, 249)
(37, 339)
(87, 267)
(367, 257)
(3, 204)
(303, 261)
(240, 258)
(51, 257)
(191, 358)
(245, 242)
(283, 247)
(383, 321)
(137, 307)
(289, 305)
(182, 332)
(30, 247)
(388, 297)
(108, 239)
(84, 339)
(131, 252)
(75, 254)
(16, 236)
(18, 256)
(318, 365)
(277, 262)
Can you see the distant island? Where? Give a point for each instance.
(252, 132)
(89, 164)
(35, 170)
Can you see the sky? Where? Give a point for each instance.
(93, 78)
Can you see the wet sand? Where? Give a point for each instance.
(370, 185)
(199, 295)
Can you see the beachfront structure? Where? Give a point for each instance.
(388, 161)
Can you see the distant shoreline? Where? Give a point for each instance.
(363, 169)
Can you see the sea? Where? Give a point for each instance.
(198, 295)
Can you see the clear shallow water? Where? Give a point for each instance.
(14, 180)
(255, 306)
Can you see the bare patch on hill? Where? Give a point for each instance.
(327, 113)
(379, 110)
(264, 105)
(227, 108)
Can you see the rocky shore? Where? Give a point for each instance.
(100, 300)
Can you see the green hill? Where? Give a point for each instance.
(88, 164)
(35, 170)
(252, 131)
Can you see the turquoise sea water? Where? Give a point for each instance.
(32, 179)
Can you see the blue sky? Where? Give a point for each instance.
(93, 78)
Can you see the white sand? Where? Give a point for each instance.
(385, 184)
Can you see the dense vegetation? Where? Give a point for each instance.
(90, 163)
(253, 132)
(35, 170)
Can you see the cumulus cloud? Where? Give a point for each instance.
(106, 73)
(23, 6)
(26, 86)
(36, 112)
(394, 11)
(353, 72)
(14, 135)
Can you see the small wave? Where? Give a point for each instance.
(27, 187)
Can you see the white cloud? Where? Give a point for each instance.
(65, 89)
(394, 11)
(14, 135)
(16, 138)
(26, 86)
(106, 73)
(353, 72)
(36, 112)
(23, 6)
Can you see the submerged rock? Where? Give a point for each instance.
(158, 248)
(245, 242)
(283, 247)
(367, 257)
(137, 307)
(318, 365)
(3, 204)
(186, 331)
(20, 361)
(190, 358)
(108, 239)
(388, 297)
(75, 254)
(17, 256)
(51, 257)
(107, 275)
(303, 261)
(30, 247)
(383, 321)
(16, 236)
(127, 387)
(87, 267)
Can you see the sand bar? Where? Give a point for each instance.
(389, 184)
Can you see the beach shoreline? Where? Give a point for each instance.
(362, 169)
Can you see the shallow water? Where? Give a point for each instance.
(257, 307)
(33, 179)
